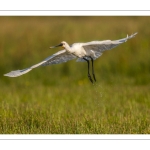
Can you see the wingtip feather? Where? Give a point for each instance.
(17, 72)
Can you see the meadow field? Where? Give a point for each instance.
(59, 99)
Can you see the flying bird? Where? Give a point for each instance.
(84, 52)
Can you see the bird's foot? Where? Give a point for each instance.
(94, 77)
(90, 78)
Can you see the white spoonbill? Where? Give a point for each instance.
(82, 51)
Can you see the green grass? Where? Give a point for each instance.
(59, 99)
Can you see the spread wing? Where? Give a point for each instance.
(59, 57)
(101, 46)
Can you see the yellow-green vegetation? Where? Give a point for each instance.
(60, 98)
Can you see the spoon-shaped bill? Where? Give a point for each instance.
(57, 45)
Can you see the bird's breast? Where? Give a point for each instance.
(79, 51)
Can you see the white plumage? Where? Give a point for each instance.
(82, 51)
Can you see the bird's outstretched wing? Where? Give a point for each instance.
(101, 46)
(59, 57)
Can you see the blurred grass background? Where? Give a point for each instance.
(60, 98)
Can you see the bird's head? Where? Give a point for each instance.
(62, 44)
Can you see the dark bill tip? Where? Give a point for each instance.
(57, 45)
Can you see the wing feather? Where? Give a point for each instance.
(101, 46)
(59, 57)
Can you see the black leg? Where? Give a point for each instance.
(93, 69)
(89, 76)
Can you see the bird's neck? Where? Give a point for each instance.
(68, 49)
